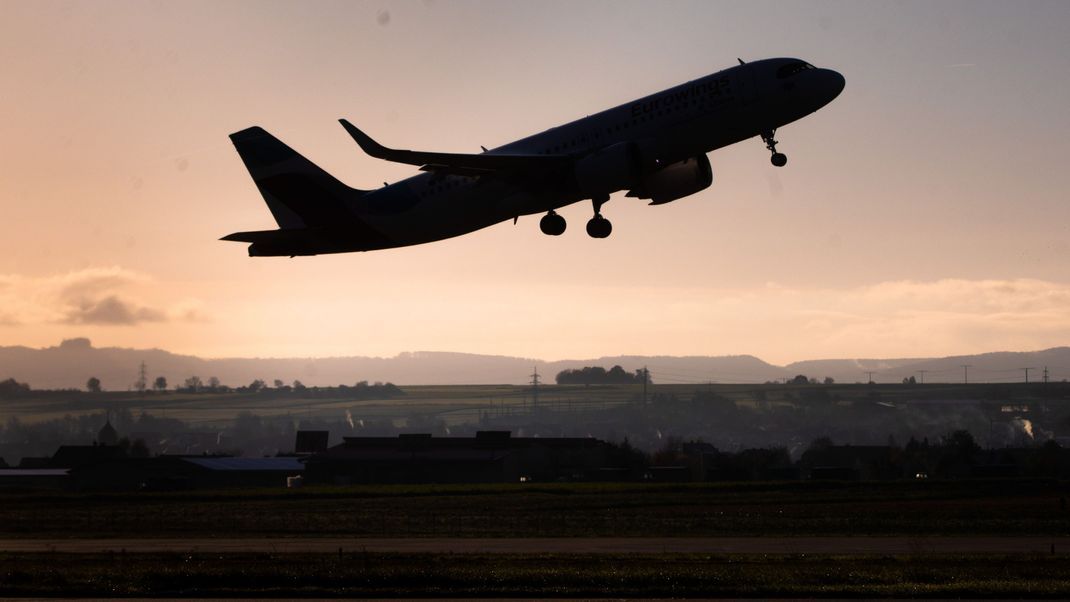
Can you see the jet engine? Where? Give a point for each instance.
(675, 181)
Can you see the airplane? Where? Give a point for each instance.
(654, 147)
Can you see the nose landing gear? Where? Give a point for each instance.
(778, 159)
(598, 226)
(552, 224)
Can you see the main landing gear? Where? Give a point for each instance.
(598, 226)
(778, 159)
(552, 224)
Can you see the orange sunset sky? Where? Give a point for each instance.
(925, 212)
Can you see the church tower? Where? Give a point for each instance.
(108, 435)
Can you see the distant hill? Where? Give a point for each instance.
(74, 361)
(853, 370)
(1001, 366)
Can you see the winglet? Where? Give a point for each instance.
(365, 141)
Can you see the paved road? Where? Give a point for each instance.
(644, 545)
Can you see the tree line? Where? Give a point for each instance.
(11, 388)
(597, 375)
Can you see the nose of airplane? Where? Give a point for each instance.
(833, 83)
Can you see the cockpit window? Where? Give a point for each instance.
(792, 68)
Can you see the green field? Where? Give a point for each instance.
(453, 404)
(466, 403)
(1009, 508)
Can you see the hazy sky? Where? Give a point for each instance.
(924, 212)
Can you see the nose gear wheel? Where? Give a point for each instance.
(777, 159)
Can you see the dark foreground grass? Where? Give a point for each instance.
(522, 575)
(1011, 508)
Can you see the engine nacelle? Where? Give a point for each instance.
(675, 181)
(608, 170)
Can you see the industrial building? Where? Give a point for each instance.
(489, 457)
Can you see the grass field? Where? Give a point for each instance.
(465, 403)
(453, 404)
(521, 575)
(911, 509)
(1018, 508)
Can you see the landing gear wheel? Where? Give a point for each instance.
(778, 159)
(599, 227)
(552, 224)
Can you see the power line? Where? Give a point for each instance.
(966, 374)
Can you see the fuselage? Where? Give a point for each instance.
(684, 121)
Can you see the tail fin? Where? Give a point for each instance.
(298, 193)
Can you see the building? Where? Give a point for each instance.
(26, 479)
(108, 435)
(182, 473)
(311, 442)
(73, 456)
(489, 457)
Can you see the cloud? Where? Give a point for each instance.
(189, 310)
(93, 296)
(112, 310)
(73, 287)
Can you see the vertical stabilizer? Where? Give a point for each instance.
(298, 193)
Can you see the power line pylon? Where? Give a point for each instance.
(142, 379)
(535, 390)
(1027, 374)
(646, 381)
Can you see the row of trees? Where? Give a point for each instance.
(361, 390)
(13, 388)
(10, 388)
(195, 384)
(597, 375)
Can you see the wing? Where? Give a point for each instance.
(458, 163)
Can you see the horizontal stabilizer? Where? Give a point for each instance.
(287, 242)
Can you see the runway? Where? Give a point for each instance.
(551, 545)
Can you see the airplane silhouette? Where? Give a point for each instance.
(654, 147)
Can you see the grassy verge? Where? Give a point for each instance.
(575, 575)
